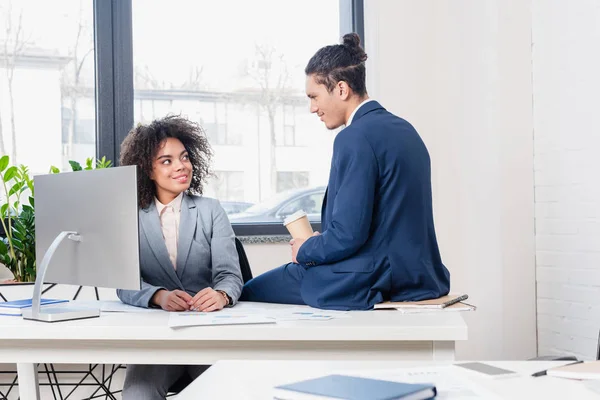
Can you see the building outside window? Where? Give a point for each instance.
(47, 46)
(227, 185)
(292, 180)
(288, 133)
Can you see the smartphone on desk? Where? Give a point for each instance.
(487, 370)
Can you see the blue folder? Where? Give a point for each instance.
(15, 307)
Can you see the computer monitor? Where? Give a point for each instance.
(86, 226)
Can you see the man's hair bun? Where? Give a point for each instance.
(352, 42)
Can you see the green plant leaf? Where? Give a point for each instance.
(17, 243)
(75, 166)
(54, 170)
(3, 209)
(103, 163)
(32, 201)
(89, 164)
(27, 208)
(17, 187)
(18, 234)
(3, 163)
(10, 173)
(3, 248)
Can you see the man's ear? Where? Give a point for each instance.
(342, 90)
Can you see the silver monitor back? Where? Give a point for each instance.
(102, 207)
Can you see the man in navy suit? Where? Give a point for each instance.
(378, 241)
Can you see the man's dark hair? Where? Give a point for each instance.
(340, 62)
(142, 143)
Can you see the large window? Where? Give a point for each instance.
(237, 68)
(76, 75)
(47, 106)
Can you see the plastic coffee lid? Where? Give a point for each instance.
(293, 217)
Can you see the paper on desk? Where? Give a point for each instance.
(286, 313)
(306, 314)
(592, 385)
(449, 383)
(181, 319)
(117, 306)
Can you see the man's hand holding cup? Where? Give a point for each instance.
(296, 244)
(300, 229)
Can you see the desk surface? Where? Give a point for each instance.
(255, 379)
(380, 325)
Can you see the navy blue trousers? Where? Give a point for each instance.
(280, 285)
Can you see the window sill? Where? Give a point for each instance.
(270, 230)
(265, 239)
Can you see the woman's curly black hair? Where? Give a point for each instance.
(142, 143)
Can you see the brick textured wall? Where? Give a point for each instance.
(566, 100)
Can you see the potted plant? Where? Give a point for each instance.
(17, 216)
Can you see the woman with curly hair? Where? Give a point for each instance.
(188, 258)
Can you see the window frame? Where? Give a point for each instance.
(113, 41)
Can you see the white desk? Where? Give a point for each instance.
(254, 380)
(145, 338)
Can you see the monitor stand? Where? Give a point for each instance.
(55, 313)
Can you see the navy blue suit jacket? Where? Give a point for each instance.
(378, 241)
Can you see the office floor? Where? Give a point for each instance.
(75, 381)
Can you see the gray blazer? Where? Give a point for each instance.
(206, 253)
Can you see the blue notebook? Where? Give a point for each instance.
(15, 307)
(353, 388)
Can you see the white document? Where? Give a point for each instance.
(306, 314)
(449, 383)
(181, 319)
(295, 313)
(117, 306)
(592, 385)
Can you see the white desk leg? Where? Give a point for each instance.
(29, 388)
(443, 351)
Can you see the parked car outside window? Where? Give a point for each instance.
(283, 204)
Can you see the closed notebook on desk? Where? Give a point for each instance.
(441, 302)
(353, 388)
(16, 307)
(585, 370)
(419, 310)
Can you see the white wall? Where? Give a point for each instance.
(460, 71)
(264, 257)
(5, 273)
(566, 71)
